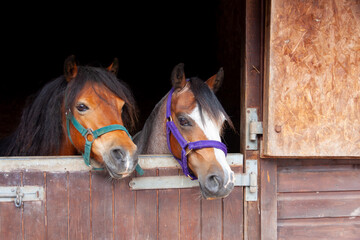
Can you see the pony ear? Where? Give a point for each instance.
(178, 76)
(70, 68)
(114, 67)
(215, 81)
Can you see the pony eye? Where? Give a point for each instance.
(82, 107)
(183, 121)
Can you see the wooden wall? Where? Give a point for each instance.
(87, 205)
(313, 199)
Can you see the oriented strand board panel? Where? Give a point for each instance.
(312, 82)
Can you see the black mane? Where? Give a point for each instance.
(40, 131)
(207, 101)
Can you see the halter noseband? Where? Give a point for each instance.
(171, 128)
(94, 135)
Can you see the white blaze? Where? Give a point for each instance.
(211, 130)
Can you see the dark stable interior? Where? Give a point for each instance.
(148, 38)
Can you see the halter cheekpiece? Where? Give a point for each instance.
(90, 136)
(172, 129)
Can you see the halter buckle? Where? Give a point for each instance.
(91, 133)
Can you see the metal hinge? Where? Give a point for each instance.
(253, 129)
(18, 194)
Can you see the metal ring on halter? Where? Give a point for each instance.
(89, 132)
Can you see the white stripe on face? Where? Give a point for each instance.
(211, 130)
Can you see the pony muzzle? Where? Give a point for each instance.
(217, 185)
(121, 163)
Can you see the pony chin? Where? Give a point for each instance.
(120, 170)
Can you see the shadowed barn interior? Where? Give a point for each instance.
(149, 39)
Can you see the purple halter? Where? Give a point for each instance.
(171, 128)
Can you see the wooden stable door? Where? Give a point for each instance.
(312, 79)
(64, 200)
(310, 150)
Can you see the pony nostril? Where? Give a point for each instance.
(213, 183)
(118, 154)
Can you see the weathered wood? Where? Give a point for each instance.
(10, 216)
(169, 209)
(57, 205)
(312, 181)
(251, 97)
(76, 163)
(146, 212)
(312, 84)
(190, 214)
(233, 227)
(34, 212)
(101, 206)
(268, 193)
(79, 205)
(319, 205)
(211, 219)
(124, 210)
(322, 229)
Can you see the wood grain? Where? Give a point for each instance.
(319, 205)
(34, 212)
(10, 216)
(313, 79)
(79, 205)
(57, 205)
(320, 229)
(169, 209)
(101, 206)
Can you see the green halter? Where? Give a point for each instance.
(94, 134)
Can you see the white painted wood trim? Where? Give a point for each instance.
(76, 163)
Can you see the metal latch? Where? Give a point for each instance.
(247, 180)
(253, 128)
(18, 194)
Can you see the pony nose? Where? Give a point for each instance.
(213, 183)
(118, 154)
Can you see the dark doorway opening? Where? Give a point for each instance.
(148, 38)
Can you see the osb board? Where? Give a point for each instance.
(312, 80)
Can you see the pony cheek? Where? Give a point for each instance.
(175, 147)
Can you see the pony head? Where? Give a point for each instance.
(199, 117)
(97, 100)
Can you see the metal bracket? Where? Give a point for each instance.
(251, 191)
(18, 194)
(247, 180)
(253, 128)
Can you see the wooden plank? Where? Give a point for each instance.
(146, 212)
(76, 163)
(124, 210)
(312, 101)
(34, 212)
(10, 216)
(79, 205)
(319, 181)
(57, 205)
(233, 212)
(233, 225)
(268, 193)
(169, 206)
(320, 229)
(101, 206)
(211, 219)
(318, 205)
(190, 214)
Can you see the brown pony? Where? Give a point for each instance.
(199, 118)
(94, 98)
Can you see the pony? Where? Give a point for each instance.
(83, 111)
(188, 122)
